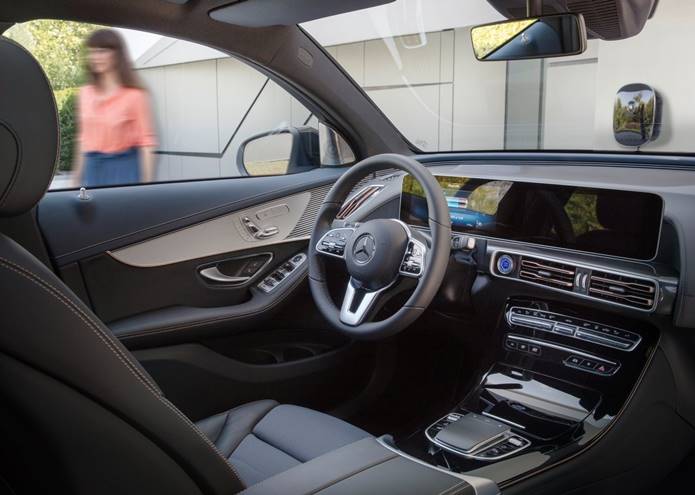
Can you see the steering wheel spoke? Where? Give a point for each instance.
(358, 302)
(333, 243)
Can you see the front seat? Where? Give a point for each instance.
(78, 414)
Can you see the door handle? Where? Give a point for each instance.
(214, 274)
(258, 232)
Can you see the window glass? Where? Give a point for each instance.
(166, 110)
(415, 60)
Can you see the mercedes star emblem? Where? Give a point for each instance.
(364, 248)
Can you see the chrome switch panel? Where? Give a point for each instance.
(275, 279)
(588, 331)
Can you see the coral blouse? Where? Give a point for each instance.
(114, 123)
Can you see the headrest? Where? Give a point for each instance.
(29, 140)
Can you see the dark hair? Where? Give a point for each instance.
(108, 38)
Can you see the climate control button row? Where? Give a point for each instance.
(572, 358)
(585, 330)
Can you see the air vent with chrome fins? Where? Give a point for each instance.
(621, 289)
(550, 273)
(580, 280)
(356, 201)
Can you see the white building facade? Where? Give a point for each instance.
(430, 85)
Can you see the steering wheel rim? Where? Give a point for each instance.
(434, 260)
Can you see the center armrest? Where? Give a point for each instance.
(366, 466)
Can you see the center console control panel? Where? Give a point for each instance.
(572, 358)
(475, 436)
(561, 375)
(577, 328)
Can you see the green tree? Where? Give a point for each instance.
(65, 101)
(59, 48)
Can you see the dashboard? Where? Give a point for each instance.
(603, 221)
(612, 234)
(573, 276)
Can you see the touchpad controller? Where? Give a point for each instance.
(476, 436)
(472, 432)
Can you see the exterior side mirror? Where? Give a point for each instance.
(536, 37)
(636, 115)
(279, 152)
(293, 149)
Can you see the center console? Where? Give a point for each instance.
(558, 380)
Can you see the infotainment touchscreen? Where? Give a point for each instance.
(605, 221)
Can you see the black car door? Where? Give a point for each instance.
(203, 273)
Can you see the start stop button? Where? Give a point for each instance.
(505, 264)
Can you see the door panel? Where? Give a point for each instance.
(153, 288)
(261, 225)
(115, 217)
(119, 291)
(135, 254)
(164, 305)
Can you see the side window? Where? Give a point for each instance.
(136, 107)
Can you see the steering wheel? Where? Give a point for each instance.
(380, 255)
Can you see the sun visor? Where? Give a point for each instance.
(264, 13)
(605, 19)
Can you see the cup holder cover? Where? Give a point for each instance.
(279, 353)
(295, 353)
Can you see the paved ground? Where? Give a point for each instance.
(61, 180)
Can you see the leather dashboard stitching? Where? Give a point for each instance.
(50, 289)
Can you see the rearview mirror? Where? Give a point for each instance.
(536, 37)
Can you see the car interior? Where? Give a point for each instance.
(379, 319)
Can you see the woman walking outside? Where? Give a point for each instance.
(116, 139)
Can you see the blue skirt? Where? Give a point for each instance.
(111, 169)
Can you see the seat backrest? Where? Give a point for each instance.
(78, 414)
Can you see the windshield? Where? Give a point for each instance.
(414, 59)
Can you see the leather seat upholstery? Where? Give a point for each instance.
(263, 438)
(28, 130)
(78, 414)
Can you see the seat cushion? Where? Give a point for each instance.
(264, 438)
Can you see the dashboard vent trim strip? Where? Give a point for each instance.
(630, 291)
(355, 202)
(547, 273)
(582, 268)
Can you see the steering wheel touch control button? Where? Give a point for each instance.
(334, 241)
(414, 259)
(505, 264)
